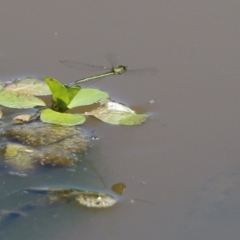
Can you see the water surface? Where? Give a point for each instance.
(183, 164)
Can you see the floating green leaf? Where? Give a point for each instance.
(50, 116)
(62, 95)
(116, 113)
(17, 100)
(87, 97)
(1, 87)
(30, 86)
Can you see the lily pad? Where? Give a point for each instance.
(67, 119)
(118, 114)
(30, 86)
(17, 100)
(87, 97)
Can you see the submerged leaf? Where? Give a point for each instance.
(67, 119)
(17, 100)
(30, 86)
(87, 97)
(116, 113)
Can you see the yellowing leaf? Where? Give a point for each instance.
(116, 113)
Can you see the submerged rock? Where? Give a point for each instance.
(39, 143)
(47, 196)
(41, 134)
(90, 199)
(95, 199)
(19, 156)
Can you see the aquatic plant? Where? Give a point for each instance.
(25, 93)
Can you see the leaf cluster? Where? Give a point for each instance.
(25, 93)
